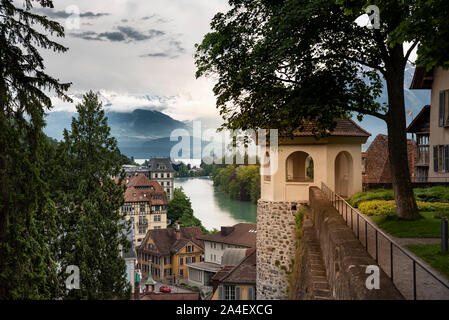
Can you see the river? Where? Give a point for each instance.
(213, 207)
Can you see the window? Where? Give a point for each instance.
(251, 293)
(229, 292)
(181, 273)
(195, 275)
(189, 249)
(441, 158)
(299, 167)
(168, 182)
(181, 261)
(142, 208)
(127, 208)
(157, 218)
(443, 114)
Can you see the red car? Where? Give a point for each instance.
(165, 289)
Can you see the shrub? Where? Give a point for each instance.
(377, 194)
(434, 194)
(381, 207)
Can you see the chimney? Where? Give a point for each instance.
(177, 230)
(225, 231)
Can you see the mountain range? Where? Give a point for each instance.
(145, 133)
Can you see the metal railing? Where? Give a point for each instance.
(345, 209)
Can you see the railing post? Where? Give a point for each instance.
(414, 280)
(366, 235)
(358, 231)
(377, 250)
(391, 262)
(444, 235)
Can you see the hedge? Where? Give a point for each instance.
(381, 207)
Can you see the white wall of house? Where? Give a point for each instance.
(213, 251)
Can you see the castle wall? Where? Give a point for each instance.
(275, 247)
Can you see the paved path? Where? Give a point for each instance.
(427, 287)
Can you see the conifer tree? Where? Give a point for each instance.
(27, 214)
(92, 224)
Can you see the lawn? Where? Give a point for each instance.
(431, 253)
(428, 227)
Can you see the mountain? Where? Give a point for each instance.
(414, 101)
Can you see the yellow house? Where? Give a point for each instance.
(169, 251)
(236, 282)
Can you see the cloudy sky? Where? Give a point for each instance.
(137, 53)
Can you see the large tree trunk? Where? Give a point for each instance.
(397, 142)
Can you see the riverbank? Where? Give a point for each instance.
(213, 207)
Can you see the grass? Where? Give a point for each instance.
(427, 227)
(431, 253)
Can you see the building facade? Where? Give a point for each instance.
(145, 205)
(237, 283)
(216, 246)
(431, 125)
(169, 251)
(336, 162)
(161, 170)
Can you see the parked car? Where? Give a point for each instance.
(165, 289)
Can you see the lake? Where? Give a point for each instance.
(213, 207)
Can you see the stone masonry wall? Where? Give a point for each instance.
(275, 247)
(344, 256)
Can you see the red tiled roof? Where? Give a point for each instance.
(344, 127)
(242, 234)
(142, 189)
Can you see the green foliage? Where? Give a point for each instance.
(27, 214)
(180, 209)
(299, 222)
(283, 64)
(382, 207)
(433, 194)
(432, 254)
(92, 227)
(240, 182)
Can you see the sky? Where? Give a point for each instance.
(136, 53)
(140, 54)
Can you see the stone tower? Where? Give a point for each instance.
(297, 164)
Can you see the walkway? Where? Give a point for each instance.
(427, 287)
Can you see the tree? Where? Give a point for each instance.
(281, 64)
(180, 209)
(92, 225)
(27, 214)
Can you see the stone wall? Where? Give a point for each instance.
(344, 256)
(275, 247)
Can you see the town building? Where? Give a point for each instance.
(431, 126)
(169, 251)
(376, 163)
(239, 236)
(236, 282)
(161, 170)
(285, 186)
(145, 205)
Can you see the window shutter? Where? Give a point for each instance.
(238, 293)
(446, 158)
(220, 293)
(435, 158)
(251, 293)
(441, 110)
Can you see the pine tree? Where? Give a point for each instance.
(92, 225)
(27, 214)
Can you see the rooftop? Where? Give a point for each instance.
(160, 165)
(241, 234)
(344, 127)
(166, 242)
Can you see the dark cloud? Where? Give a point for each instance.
(124, 33)
(64, 15)
(112, 36)
(148, 17)
(176, 46)
(155, 55)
